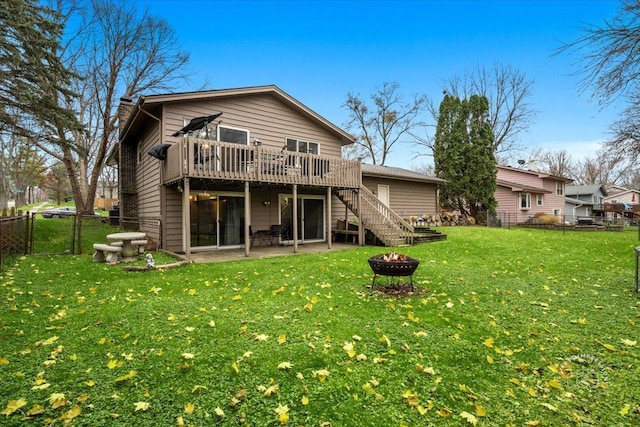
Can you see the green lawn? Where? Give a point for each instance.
(511, 328)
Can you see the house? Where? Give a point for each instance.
(620, 204)
(410, 194)
(216, 168)
(581, 200)
(522, 194)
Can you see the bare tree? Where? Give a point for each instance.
(604, 168)
(609, 62)
(508, 91)
(556, 162)
(119, 52)
(380, 128)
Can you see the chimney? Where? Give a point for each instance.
(533, 166)
(124, 111)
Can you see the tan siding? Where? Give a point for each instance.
(407, 198)
(264, 116)
(147, 173)
(173, 220)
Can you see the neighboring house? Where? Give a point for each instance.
(214, 167)
(620, 204)
(581, 200)
(522, 194)
(623, 195)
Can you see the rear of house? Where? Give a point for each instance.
(214, 168)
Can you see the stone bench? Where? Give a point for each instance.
(139, 243)
(106, 253)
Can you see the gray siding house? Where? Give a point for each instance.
(216, 167)
(581, 200)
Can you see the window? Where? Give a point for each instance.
(525, 201)
(234, 135)
(559, 188)
(302, 146)
(557, 212)
(539, 200)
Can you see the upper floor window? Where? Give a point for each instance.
(525, 201)
(234, 135)
(303, 146)
(559, 188)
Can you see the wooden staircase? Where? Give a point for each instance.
(388, 227)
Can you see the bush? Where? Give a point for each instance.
(547, 219)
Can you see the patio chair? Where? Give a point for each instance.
(263, 236)
(274, 233)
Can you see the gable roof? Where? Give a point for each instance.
(538, 174)
(398, 173)
(576, 190)
(150, 103)
(622, 193)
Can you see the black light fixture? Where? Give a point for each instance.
(159, 151)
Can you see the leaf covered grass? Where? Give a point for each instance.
(509, 327)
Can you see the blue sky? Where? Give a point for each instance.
(318, 51)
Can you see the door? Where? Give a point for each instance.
(216, 220)
(383, 194)
(311, 218)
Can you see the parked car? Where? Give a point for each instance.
(59, 212)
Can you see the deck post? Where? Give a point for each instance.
(294, 212)
(328, 218)
(247, 218)
(186, 219)
(360, 224)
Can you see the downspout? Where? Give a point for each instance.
(574, 211)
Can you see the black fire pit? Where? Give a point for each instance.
(393, 265)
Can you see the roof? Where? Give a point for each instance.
(622, 193)
(149, 103)
(576, 202)
(517, 187)
(575, 190)
(539, 174)
(398, 173)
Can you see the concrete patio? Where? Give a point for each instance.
(260, 252)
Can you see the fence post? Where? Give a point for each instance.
(73, 235)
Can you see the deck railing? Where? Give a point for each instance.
(201, 158)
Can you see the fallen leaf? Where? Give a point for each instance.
(285, 365)
(471, 419)
(141, 406)
(72, 413)
(14, 405)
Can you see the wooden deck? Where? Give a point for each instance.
(200, 158)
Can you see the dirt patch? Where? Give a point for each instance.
(399, 290)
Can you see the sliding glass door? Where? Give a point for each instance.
(216, 220)
(311, 218)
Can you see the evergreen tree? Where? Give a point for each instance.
(464, 156)
(33, 80)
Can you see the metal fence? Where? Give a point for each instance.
(16, 235)
(28, 234)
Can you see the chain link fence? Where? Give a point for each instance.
(30, 233)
